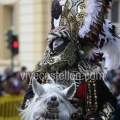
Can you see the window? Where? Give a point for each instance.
(115, 12)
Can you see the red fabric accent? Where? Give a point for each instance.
(98, 56)
(109, 7)
(81, 91)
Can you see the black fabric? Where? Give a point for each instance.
(105, 95)
(29, 94)
(116, 116)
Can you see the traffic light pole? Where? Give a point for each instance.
(12, 61)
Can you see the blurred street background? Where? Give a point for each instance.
(26, 23)
(30, 22)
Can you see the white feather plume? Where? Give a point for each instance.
(112, 55)
(110, 49)
(92, 10)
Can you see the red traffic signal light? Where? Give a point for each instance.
(15, 44)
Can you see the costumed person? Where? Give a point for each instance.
(79, 38)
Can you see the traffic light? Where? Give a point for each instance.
(12, 42)
(12, 45)
(15, 45)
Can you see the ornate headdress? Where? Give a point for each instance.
(83, 23)
(84, 17)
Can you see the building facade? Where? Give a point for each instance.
(31, 21)
(34, 24)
